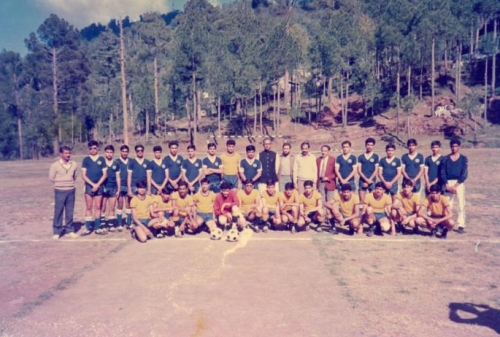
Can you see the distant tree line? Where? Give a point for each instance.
(129, 78)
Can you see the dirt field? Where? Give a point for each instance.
(275, 284)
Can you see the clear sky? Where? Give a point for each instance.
(18, 18)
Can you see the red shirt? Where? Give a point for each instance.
(231, 200)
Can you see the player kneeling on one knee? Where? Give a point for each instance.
(271, 208)
(140, 205)
(289, 206)
(377, 210)
(310, 207)
(250, 206)
(406, 207)
(204, 202)
(162, 213)
(185, 206)
(345, 209)
(436, 212)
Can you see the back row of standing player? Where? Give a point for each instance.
(116, 179)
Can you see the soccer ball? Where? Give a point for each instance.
(232, 235)
(216, 234)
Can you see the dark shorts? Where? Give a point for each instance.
(311, 215)
(215, 187)
(370, 187)
(154, 190)
(145, 221)
(110, 191)
(379, 216)
(206, 217)
(351, 183)
(233, 180)
(88, 190)
(123, 191)
(393, 190)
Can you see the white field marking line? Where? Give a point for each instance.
(171, 240)
(244, 237)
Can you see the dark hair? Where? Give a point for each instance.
(139, 146)
(390, 146)
(455, 141)
(141, 184)
(211, 145)
(64, 148)
(327, 146)
(173, 143)
(226, 185)
(435, 188)
(166, 190)
(109, 147)
(286, 144)
(289, 186)
(182, 183)
(204, 181)
(270, 182)
(345, 187)
(124, 147)
(157, 148)
(250, 148)
(247, 181)
(436, 143)
(305, 143)
(346, 142)
(308, 183)
(93, 143)
(267, 138)
(407, 182)
(380, 184)
(411, 141)
(370, 140)
(230, 142)
(191, 146)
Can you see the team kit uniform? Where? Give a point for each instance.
(256, 208)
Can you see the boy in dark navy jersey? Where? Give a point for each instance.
(123, 199)
(94, 173)
(389, 171)
(157, 173)
(367, 168)
(137, 170)
(250, 167)
(192, 170)
(212, 168)
(345, 166)
(413, 165)
(173, 163)
(453, 174)
(111, 188)
(432, 170)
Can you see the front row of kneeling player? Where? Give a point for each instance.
(176, 213)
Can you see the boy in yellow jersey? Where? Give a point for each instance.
(162, 212)
(140, 213)
(405, 208)
(345, 210)
(310, 207)
(184, 204)
(250, 205)
(230, 164)
(270, 207)
(289, 206)
(440, 220)
(377, 210)
(204, 202)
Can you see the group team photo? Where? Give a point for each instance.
(225, 194)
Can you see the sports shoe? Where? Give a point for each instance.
(293, 230)
(71, 235)
(461, 230)
(119, 228)
(111, 229)
(335, 231)
(178, 233)
(433, 233)
(371, 231)
(265, 229)
(55, 237)
(319, 229)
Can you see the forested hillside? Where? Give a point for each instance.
(238, 60)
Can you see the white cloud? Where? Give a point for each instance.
(81, 13)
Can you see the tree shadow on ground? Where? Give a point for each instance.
(484, 315)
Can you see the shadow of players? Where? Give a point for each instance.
(484, 315)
